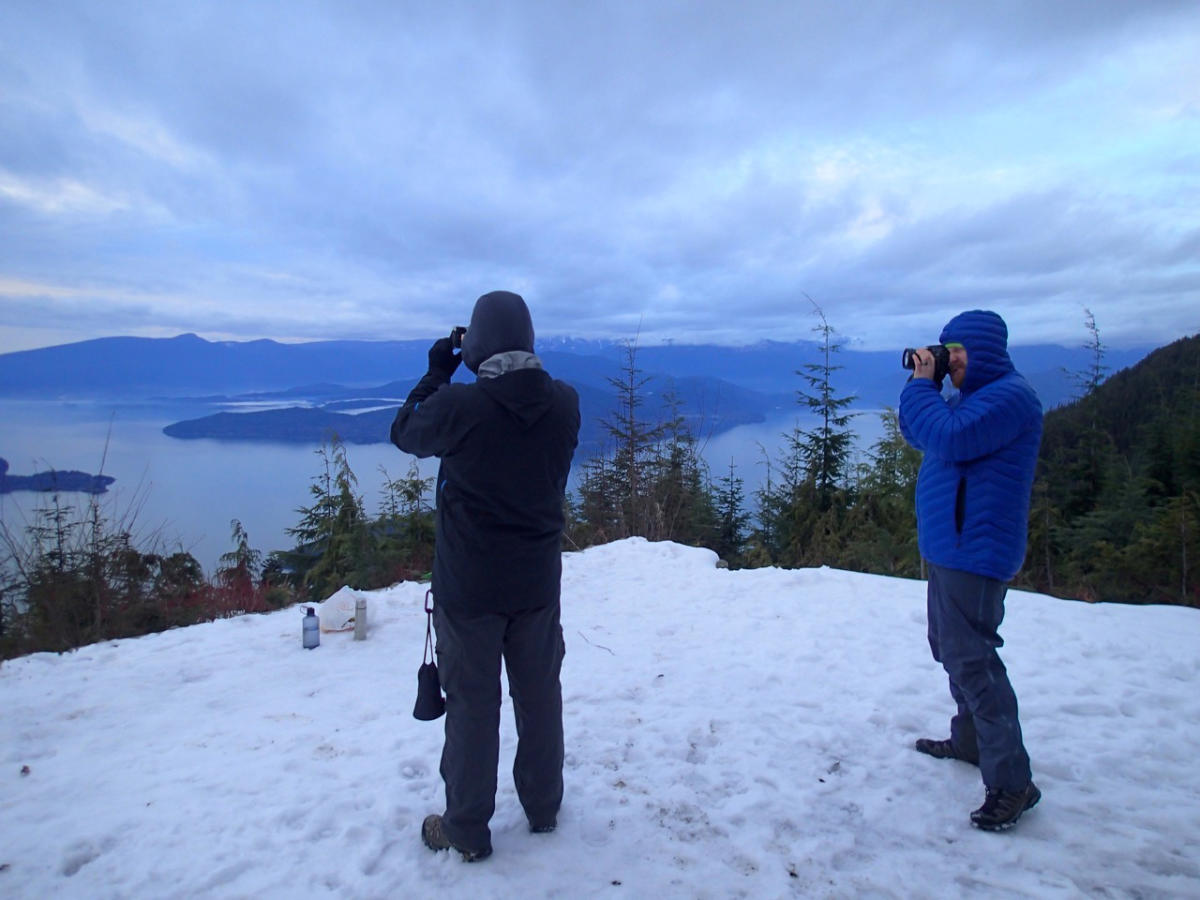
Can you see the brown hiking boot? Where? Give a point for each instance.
(435, 839)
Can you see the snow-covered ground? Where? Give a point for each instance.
(728, 734)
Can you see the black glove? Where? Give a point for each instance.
(442, 358)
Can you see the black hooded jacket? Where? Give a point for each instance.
(505, 445)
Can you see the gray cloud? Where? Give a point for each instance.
(363, 170)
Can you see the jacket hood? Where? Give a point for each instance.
(525, 394)
(500, 322)
(985, 337)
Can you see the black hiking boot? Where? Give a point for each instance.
(435, 839)
(543, 828)
(1001, 809)
(943, 750)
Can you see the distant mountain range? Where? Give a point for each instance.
(301, 392)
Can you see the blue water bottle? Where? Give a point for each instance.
(312, 630)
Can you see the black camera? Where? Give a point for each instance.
(941, 361)
(457, 335)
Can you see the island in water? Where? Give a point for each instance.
(53, 481)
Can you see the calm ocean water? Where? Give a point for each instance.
(185, 493)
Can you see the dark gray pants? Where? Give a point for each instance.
(469, 649)
(965, 611)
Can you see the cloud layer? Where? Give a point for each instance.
(683, 170)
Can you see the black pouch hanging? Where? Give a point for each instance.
(430, 704)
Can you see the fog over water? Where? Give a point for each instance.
(184, 494)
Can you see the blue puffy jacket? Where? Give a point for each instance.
(980, 450)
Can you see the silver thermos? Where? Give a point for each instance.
(360, 618)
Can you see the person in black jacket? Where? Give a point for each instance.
(505, 445)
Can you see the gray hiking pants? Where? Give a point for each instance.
(469, 649)
(965, 611)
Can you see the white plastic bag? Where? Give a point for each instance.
(337, 613)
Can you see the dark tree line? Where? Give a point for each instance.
(1116, 512)
(1116, 503)
(338, 544)
(652, 482)
(79, 574)
(817, 506)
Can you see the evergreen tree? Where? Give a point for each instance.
(681, 504)
(733, 520)
(1045, 542)
(826, 448)
(404, 497)
(403, 535)
(881, 523)
(802, 514)
(633, 443)
(1161, 560)
(1090, 378)
(242, 564)
(595, 518)
(787, 504)
(239, 570)
(332, 533)
(761, 547)
(653, 483)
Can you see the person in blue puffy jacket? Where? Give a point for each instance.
(973, 491)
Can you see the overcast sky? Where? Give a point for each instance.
(687, 171)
